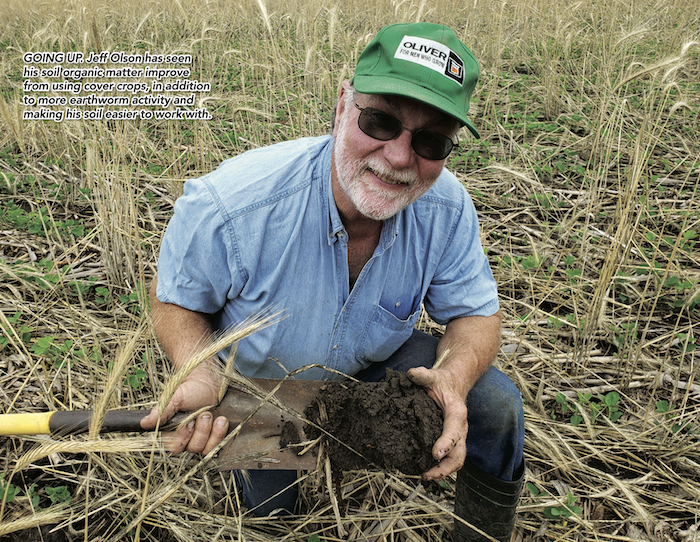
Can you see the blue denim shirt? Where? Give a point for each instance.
(262, 232)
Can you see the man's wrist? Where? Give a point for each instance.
(208, 372)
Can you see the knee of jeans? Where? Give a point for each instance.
(496, 403)
(266, 491)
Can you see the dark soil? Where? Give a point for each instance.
(40, 534)
(393, 424)
(289, 435)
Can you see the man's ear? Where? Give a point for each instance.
(340, 106)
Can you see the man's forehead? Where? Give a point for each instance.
(408, 107)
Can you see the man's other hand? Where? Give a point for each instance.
(451, 448)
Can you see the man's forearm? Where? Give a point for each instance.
(473, 344)
(181, 332)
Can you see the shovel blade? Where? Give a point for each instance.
(257, 446)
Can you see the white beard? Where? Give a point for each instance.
(369, 199)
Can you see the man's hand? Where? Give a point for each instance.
(199, 390)
(179, 332)
(451, 448)
(465, 352)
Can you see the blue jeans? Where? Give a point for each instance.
(494, 439)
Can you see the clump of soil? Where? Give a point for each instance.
(393, 424)
(289, 435)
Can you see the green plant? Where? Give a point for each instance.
(135, 300)
(531, 262)
(559, 512)
(554, 323)
(131, 300)
(81, 288)
(670, 416)
(624, 335)
(58, 494)
(687, 342)
(607, 406)
(103, 296)
(51, 274)
(59, 353)
(39, 222)
(25, 333)
(33, 497)
(51, 349)
(136, 378)
(564, 406)
(565, 510)
(572, 273)
(8, 491)
(663, 407)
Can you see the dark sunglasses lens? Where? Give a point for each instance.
(382, 126)
(379, 125)
(431, 145)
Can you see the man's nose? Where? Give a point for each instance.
(399, 152)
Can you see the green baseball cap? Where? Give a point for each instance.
(423, 61)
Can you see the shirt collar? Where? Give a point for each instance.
(335, 224)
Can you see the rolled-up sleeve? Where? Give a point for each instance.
(463, 284)
(197, 267)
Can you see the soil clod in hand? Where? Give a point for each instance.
(393, 424)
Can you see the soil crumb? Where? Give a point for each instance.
(393, 424)
(289, 435)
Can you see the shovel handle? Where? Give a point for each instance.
(116, 421)
(72, 422)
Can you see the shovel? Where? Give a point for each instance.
(256, 447)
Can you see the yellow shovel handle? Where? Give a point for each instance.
(73, 422)
(32, 423)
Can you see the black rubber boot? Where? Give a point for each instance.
(487, 503)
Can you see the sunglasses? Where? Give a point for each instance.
(382, 126)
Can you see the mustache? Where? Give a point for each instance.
(390, 174)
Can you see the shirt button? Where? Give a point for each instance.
(398, 304)
(335, 347)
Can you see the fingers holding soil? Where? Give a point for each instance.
(421, 376)
(450, 463)
(454, 430)
(451, 448)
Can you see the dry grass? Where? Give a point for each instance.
(586, 183)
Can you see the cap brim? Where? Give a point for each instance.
(383, 84)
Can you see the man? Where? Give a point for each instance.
(350, 234)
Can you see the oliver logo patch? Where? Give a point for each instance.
(431, 54)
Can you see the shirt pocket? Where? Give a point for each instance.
(384, 334)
